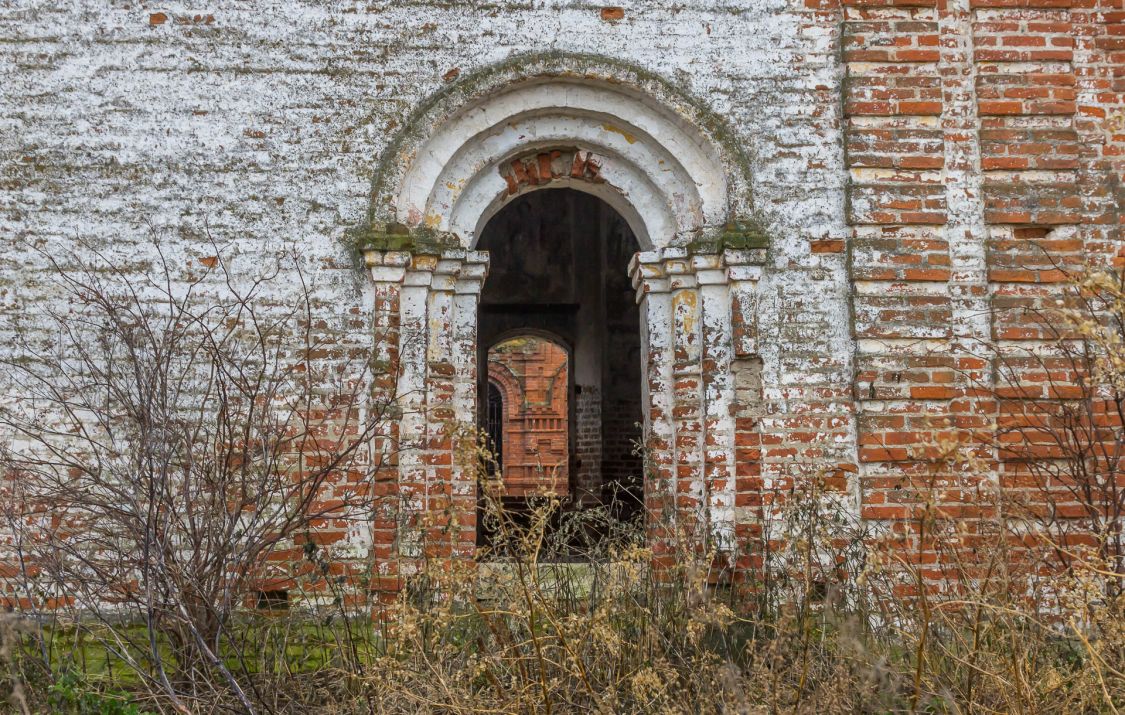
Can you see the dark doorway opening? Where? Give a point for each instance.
(558, 261)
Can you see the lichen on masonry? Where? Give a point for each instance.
(740, 235)
(396, 237)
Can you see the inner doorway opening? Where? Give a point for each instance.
(559, 383)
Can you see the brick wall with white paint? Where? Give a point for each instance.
(901, 154)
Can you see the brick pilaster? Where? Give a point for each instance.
(387, 270)
(691, 487)
(655, 299)
(744, 270)
(432, 355)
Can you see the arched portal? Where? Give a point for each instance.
(501, 145)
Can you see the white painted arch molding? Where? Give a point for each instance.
(644, 180)
(670, 167)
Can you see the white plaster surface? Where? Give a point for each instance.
(262, 124)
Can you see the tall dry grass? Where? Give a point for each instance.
(829, 632)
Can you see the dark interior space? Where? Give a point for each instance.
(558, 262)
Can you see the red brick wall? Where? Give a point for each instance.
(977, 143)
(532, 376)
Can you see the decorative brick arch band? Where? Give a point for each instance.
(509, 388)
(567, 167)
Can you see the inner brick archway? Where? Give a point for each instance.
(529, 435)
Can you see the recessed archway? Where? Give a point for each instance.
(558, 273)
(669, 173)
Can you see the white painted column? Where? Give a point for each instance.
(379, 534)
(687, 396)
(652, 286)
(744, 270)
(470, 280)
(436, 394)
(718, 398)
(413, 343)
(463, 491)
(691, 306)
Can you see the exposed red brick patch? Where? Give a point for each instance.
(1023, 3)
(828, 246)
(157, 18)
(451, 74)
(925, 274)
(544, 167)
(877, 34)
(892, 90)
(890, 3)
(1031, 232)
(611, 14)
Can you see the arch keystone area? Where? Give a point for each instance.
(664, 162)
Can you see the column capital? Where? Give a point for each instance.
(386, 266)
(709, 269)
(677, 268)
(648, 274)
(453, 269)
(473, 271)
